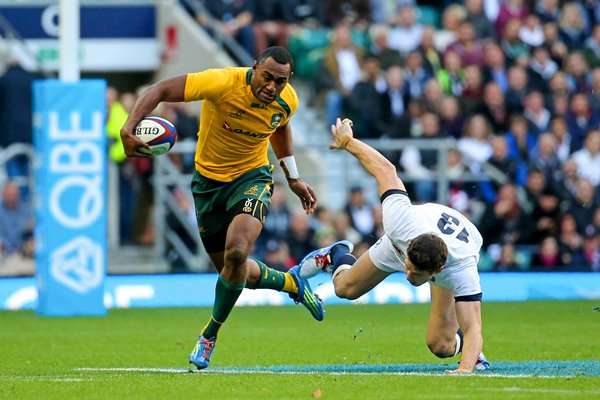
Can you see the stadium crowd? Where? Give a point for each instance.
(516, 83)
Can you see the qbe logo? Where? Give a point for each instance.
(76, 201)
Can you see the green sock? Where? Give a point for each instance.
(271, 278)
(226, 294)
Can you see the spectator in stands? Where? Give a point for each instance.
(415, 76)
(432, 57)
(580, 119)
(564, 183)
(405, 34)
(422, 165)
(472, 89)
(558, 127)
(380, 48)
(474, 144)
(558, 49)
(591, 47)
(300, 235)
(534, 186)
(591, 251)
(514, 49)
(277, 255)
(521, 141)
(507, 262)
(231, 18)
(558, 97)
(16, 228)
(16, 116)
(588, 158)
(484, 29)
(546, 211)
(360, 212)
(343, 229)
(338, 11)
(341, 71)
(548, 257)
(547, 10)
(272, 23)
(394, 101)
(510, 10)
(570, 242)
(452, 17)
(451, 116)
(542, 65)
(452, 75)
(534, 109)
(467, 46)
(504, 221)
(514, 168)
(432, 96)
(578, 73)
(495, 68)
(365, 100)
(517, 89)
(531, 32)
(494, 107)
(584, 206)
(571, 26)
(544, 157)
(594, 93)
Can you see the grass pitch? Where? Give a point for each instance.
(548, 350)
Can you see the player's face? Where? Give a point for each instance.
(415, 276)
(269, 80)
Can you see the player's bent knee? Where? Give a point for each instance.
(441, 349)
(346, 291)
(235, 256)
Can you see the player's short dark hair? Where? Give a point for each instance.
(427, 252)
(277, 53)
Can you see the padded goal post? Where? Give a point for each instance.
(70, 196)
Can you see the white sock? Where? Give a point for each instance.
(340, 268)
(457, 345)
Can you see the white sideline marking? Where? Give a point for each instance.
(265, 372)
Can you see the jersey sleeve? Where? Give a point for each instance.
(207, 84)
(398, 216)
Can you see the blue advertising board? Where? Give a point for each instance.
(198, 290)
(70, 191)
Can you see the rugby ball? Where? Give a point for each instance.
(159, 133)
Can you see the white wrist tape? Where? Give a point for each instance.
(290, 166)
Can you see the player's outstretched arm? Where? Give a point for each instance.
(469, 320)
(171, 89)
(372, 161)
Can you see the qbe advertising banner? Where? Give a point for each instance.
(70, 196)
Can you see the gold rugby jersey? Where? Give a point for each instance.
(234, 125)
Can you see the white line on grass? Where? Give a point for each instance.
(242, 371)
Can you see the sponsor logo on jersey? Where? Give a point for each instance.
(276, 119)
(248, 206)
(253, 191)
(399, 251)
(238, 114)
(261, 106)
(228, 128)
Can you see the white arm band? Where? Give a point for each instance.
(290, 165)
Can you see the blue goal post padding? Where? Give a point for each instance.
(70, 196)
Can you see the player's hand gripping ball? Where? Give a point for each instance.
(159, 133)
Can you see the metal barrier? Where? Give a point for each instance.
(336, 172)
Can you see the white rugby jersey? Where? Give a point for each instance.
(403, 222)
